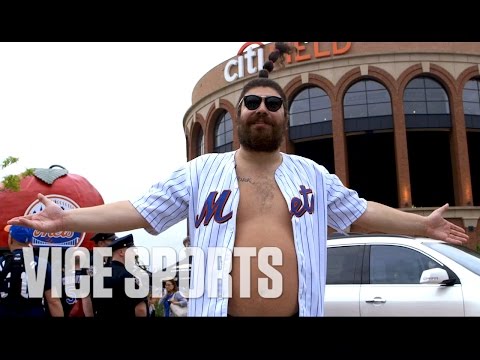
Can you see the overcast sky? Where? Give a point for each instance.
(110, 112)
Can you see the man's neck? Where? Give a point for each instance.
(16, 247)
(258, 158)
(119, 259)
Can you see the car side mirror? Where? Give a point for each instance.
(433, 276)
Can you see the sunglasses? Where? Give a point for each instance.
(252, 102)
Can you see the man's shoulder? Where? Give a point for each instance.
(41, 260)
(120, 271)
(212, 160)
(297, 159)
(211, 156)
(117, 265)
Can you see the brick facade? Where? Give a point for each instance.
(393, 65)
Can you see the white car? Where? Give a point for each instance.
(390, 275)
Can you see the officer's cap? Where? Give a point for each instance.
(123, 242)
(104, 236)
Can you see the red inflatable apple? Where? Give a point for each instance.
(67, 190)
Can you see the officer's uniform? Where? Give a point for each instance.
(119, 305)
(101, 240)
(106, 239)
(14, 297)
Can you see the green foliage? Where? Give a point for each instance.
(12, 182)
(9, 161)
(159, 310)
(27, 172)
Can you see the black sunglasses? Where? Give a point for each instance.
(252, 102)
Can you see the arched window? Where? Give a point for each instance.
(426, 107)
(366, 98)
(200, 143)
(224, 133)
(368, 124)
(311, 105)
(367, 106)
(310, 114)
(471, 106)
(471, 97)
(424, 95)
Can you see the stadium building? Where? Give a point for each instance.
(397, 122)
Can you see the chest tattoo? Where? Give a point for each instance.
(263, 188)
(246, 180)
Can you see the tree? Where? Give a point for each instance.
(12, 182)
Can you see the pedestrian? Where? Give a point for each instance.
(73, 306)
(255, 203)
(120, 304)
(101, 240)
(173, 298)
(15, 298)
(152, 305)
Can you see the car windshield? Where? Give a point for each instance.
(462, 255)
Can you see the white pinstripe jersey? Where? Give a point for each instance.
(211, 179)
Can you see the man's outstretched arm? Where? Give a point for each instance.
(113, 217)
(381, 218)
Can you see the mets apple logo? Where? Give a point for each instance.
(61, 238)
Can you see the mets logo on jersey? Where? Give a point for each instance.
(213, 207)
(299, 207)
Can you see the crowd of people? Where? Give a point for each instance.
(16, 280)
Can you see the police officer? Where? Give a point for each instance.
(14, 296)
(103, 240)
(120, 304)
(100, 240)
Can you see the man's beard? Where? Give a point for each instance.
(266, 140)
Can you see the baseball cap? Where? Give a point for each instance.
(19, 233)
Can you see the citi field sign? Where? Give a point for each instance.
(250, 61)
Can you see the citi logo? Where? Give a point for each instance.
(235, 68)
(250, 61)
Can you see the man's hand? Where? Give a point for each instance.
(48, 220)
(439, 228)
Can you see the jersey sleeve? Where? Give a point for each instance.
(166, 202)
(344, 206)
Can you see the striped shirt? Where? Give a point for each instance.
(206, 191)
